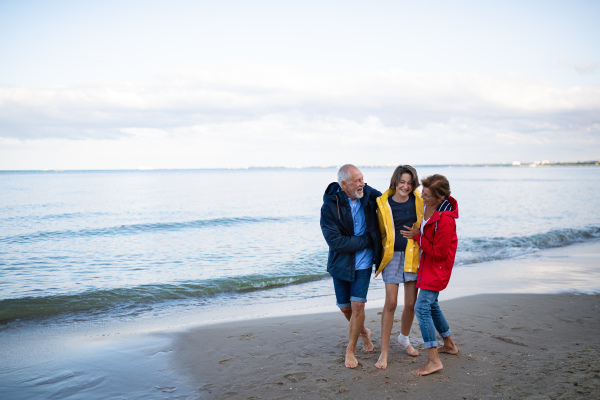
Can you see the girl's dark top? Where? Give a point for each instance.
(403, 214)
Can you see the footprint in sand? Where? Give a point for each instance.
(479, 373)
(508, 340)
(296, 377)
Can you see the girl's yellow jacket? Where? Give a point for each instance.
(386, 226)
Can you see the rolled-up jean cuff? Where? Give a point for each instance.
(345, 305)
(358, 299)
(446, 334)
(429, 345)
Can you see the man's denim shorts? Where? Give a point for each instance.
(347, 292)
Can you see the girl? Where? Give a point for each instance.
(400, 205)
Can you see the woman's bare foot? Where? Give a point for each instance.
(429, 368)
(351, 361)
(366, 337)
(448, 349)
(382, 362)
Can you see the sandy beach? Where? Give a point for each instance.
(530, 335)
(511, 347)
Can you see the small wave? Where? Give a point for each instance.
(475, 250)
(97, 301)
(51, 217)
(133, 229)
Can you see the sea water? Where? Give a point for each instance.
(87, 245)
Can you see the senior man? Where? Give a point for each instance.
(349, 225)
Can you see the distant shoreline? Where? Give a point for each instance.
(516, 164)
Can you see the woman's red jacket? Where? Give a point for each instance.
(438, 245)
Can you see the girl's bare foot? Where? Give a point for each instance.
(412, 351)
(351, 361)
(404, 341)
(382, 362)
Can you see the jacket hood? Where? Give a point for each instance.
(334, 192)
(331, 190)
(454, 204)
(453, 214)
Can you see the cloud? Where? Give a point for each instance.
(563, 61)
(288, 140)
(588, 68)
(584, 68)
(222, 95)
(146, 132)
(264, 115)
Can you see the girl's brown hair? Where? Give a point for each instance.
(404, 169)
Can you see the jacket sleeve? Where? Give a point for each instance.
(440, 246)
(381, 223)
(336, 240)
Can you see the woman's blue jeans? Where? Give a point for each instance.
(430, 317)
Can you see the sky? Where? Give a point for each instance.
(234, 84)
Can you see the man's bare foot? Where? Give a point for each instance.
(429, 368)
(449, 350)
(367, 344)
(351, 361)
(382, 362)
(412, 351)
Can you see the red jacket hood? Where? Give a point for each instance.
(453, 213)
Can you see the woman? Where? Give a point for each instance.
(437, 239)
(400, 205)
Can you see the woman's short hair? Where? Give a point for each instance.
(438, 185)
(404, 169)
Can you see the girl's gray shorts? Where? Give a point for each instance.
(394, 271)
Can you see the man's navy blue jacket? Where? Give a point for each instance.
(338, 229)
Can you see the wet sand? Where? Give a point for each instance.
(512, 346)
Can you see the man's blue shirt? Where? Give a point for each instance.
(364, 258)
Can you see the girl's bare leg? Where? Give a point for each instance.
(387, 321)
(408, 313)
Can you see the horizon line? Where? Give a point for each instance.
(513, 164)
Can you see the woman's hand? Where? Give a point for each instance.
(410, 233)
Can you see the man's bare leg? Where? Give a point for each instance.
(408, 313)
(357, 322)
(434, 363)
(365, 334)
(387, 322)
(366, 338)
(448, 347)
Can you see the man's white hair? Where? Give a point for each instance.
(344, 173)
